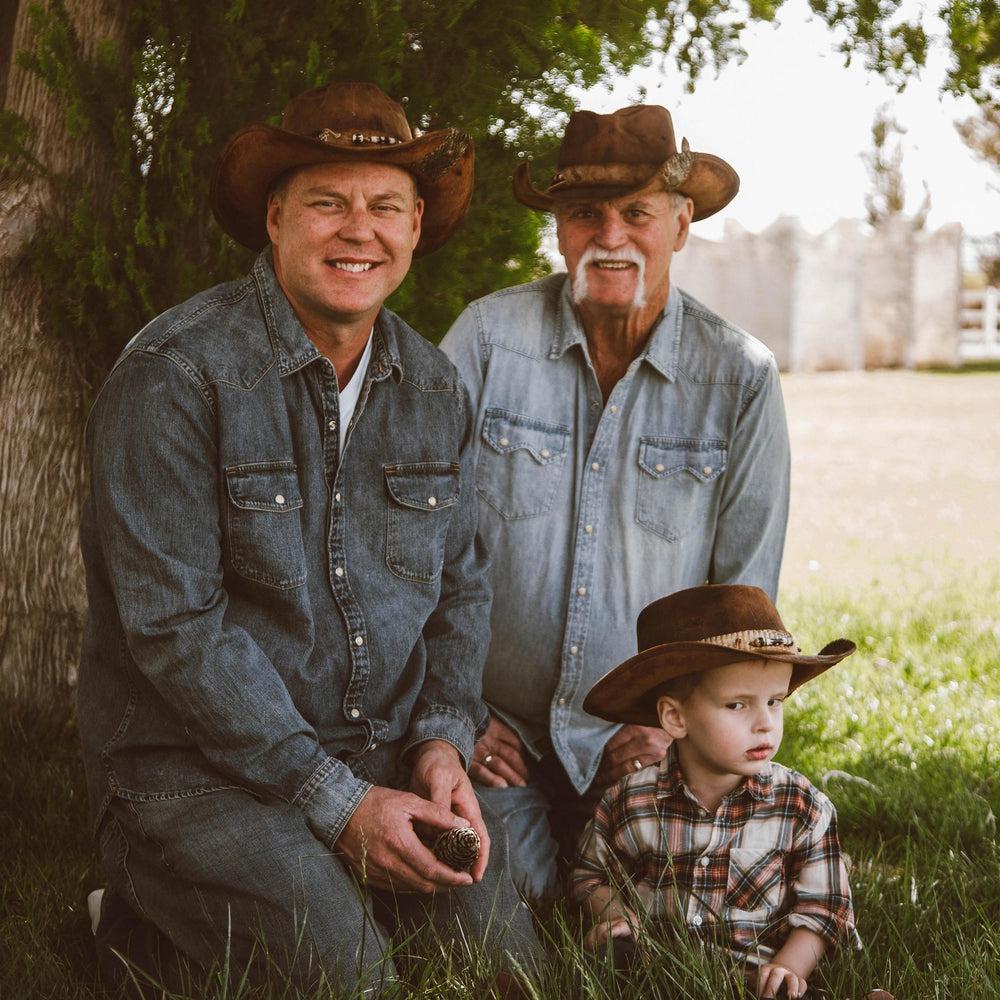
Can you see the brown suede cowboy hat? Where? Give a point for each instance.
(695, 630)
(607, 156)
(342, 123)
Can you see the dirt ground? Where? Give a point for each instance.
(888, 464)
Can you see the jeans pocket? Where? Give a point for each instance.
(755, 879)
(421, 495)
(678, 479)
(520, 463)
(265, 532)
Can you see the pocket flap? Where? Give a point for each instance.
(423, 485)
(660, 457)
(264, 486)
(505, 432)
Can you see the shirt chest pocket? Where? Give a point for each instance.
(678, 483)
(420, 498)
(755, 880)
(520, 463)
(263, 524)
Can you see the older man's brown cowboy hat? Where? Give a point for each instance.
(608, 156)
(342, 123)
(696, 630)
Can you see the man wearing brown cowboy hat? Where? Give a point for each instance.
(280, 679)
(629, 443)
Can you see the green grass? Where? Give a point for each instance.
(904, 736)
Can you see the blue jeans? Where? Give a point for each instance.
(224, 872)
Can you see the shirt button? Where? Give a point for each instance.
(614, 409)
(595, 466)
(574, 650)
(589, 528)
(703, 862)
(354, 713)
(545, 453)
(707, 470)
(659, 466)
(504, 442)
(696, 921)
(332, 425)
(373, 746)
(336, 496)
(432, 501)
(359, 640)
(582, 591)
(339, 571)
(562, 701)
(279, 499)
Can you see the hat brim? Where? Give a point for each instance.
(624, 693)
(254, 158)
(711, 185)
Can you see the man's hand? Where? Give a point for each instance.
(499, 758)
(438, 775)
(381, 845)
(771, 976)
(645, 744)
(618, 927)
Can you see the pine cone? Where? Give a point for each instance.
(458, 848)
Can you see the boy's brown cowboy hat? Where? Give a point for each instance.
(608, 156)
(695, 630)
(342, 123)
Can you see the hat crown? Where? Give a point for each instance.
(642, 133)
(340, 110)
(701, 613)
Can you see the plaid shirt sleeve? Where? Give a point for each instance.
(822, 895)
(596, 857)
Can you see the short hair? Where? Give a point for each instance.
(681, 688)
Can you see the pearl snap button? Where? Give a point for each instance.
(354, 713)
(332, 425)
(574, 650)
(504, 442)
(703, 862)
(359, 640)
(614, 409)
(545, 453)
(595, 466)
(582, 591)
(589, 528)
(432, 501)
(707, 470)
(659, 466)
(336, 496)
(562, 701)
(339, 571)
(279, 499)
(696, 921)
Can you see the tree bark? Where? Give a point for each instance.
(42, 393)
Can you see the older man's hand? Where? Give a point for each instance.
(380, 841)
(631, 745)
(499, 759)
(438, 775)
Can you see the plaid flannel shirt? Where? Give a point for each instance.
(769, 859)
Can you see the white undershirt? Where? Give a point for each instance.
(351, 392)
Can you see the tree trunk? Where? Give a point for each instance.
(42, 394)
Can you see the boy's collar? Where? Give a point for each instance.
(670, 780)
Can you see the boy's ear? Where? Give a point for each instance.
(671, 713)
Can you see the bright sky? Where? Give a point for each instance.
(793, 121)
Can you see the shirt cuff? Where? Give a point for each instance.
(441, 722)
(328, 799)
(836, 932)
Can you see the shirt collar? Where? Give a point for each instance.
(291, 344)
(670, 780)
(662, 348)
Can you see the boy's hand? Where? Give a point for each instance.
(619, 927)
(771, 977)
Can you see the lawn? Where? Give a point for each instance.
(904, 736)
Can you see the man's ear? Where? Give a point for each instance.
(671, 713)
(273, 214)
(418, 214)
(684, 216)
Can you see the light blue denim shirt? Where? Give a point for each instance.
(591, 510)
(267, 612)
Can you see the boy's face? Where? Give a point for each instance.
(732, 723)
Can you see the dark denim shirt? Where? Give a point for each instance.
(265, 612)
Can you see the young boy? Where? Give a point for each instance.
(740, 849)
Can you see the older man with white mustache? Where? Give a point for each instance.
(629, 444)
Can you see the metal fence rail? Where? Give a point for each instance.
(980, 319)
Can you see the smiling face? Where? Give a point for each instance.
(731, 723)
(618, 252)
(343, 236)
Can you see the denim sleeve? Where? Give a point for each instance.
(462, 343)
(456, 636)
(750, 533)
(155, 487)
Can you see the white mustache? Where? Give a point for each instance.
(626, 254)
